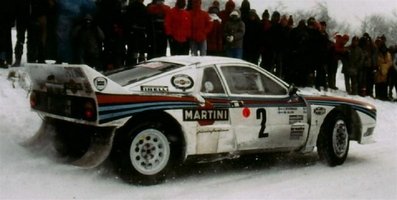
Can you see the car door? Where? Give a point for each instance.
(263, 115)
(214, 131)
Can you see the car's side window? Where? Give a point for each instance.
(211, 82)
(245, 80)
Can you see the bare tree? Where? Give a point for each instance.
(377, 25)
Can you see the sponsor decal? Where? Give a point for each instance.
(182, 81)
(53, 86)
(246, 112)
(87, 87)
(205, 114)
(287, 110)
(73, 86)
(319, 111)
(100, 83)
(146, 88)
(297, 132)
(295, 119)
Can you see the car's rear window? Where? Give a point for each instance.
(130, 75)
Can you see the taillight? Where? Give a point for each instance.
(89, 110)
(33, 99)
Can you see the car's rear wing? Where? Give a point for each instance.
(68, 92)
(74, 80)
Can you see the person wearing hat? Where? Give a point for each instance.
(201, 26)
(215, 36)
(383, 64)
(137, 25)
(178, 28)
(352, 65)
(229, 7)
(88, 38)
(234, 31)
(253, 33)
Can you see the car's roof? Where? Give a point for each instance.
(201, 60)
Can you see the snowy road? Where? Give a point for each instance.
(370, 171)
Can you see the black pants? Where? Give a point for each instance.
(5, 44)
(137, 47)
(321, 76)
(158, 46)
(381, 90)
(179, 48)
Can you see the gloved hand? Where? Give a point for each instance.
(230, 38)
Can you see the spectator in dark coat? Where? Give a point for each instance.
(364, 44)
(251, 45)
(137, 26)
(316, 49)
(370, 58)
(89, 38)
(156, 34)
(225, 14)
(37, 31)
(393, 73)
(266, 56)
(70, 11)
(7, 17)
(277, 44)
(322, 53)
(298, 51)
(245, 9)
(351, 66)
(332, 65)
(234, 31)
(22, 22)
(110, 20)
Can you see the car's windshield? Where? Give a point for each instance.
(141, 72)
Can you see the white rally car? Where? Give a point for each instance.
(152, 117)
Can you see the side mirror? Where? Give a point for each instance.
(292, 90)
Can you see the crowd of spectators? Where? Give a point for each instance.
(108, 34)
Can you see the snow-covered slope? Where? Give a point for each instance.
(370, 171)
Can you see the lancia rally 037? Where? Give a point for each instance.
(154, 116)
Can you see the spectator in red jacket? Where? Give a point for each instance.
(201, 26)
(178, 28)
(215, 36)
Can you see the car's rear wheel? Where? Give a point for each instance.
(147, 153)
(333, 141)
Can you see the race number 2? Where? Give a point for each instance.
(261, 114)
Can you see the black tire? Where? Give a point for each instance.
(147, 153)
(333, 141)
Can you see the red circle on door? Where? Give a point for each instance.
(246, 112)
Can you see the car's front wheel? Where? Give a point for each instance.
(333, 141)
(148, 153)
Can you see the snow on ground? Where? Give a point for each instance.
(370, 171)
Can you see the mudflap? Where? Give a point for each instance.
(43, 137)
(99, 149)
(100, 144)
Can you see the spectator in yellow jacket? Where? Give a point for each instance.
(384, 62)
